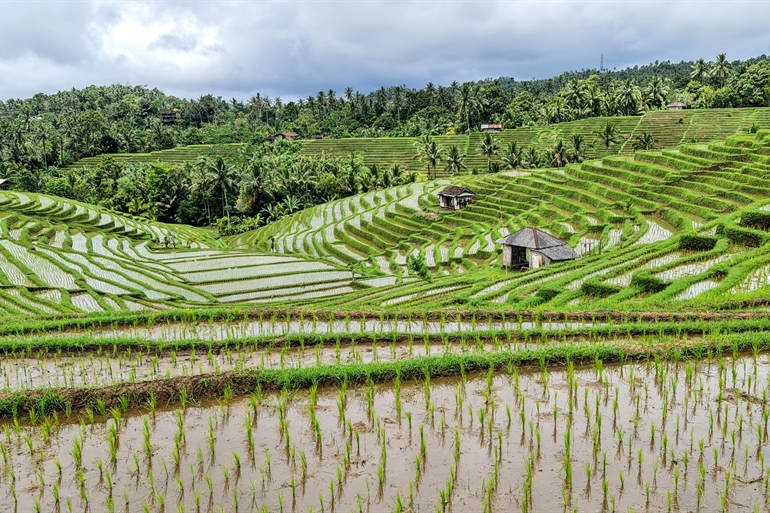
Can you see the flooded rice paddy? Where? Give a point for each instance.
(643, 437)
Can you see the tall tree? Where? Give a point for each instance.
(429, 152)
(223, 177)
(700, 70)
(454, 160)
(489, 148)
(722, 69)
(512, 156)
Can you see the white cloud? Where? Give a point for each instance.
(294, 49)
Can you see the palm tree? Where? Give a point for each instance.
(560, 154)
(657, 90)
(722, 69)
(429, 152)
(629, 98)
(201, 182)
(700, 70)
(530, 157)
(512, 156)
(577, 150)
(574, 93)
(222, 176)
(488, 147)
(454, 160)
(644, 142)
(608, 134)
(467, 103)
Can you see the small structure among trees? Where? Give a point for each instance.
(544, 249)
(491, 128)
(676, 106)
(169, 116)
(287, 136)
(6, 183)
(455, 197)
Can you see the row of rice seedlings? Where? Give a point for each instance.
(660, 435)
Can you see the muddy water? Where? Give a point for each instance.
(54, 370)
(492, 462)
(267, 328)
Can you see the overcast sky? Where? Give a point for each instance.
(296, 48)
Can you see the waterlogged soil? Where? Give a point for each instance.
(222, 330)
(641, 437)
(55, 370)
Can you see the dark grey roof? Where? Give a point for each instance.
(558, 253)
(531, 238)
(454, 190)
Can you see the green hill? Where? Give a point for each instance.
(631, 210)
(670, 128)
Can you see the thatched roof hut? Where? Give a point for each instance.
(543, 249)
(455, 197)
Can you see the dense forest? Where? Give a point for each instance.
(42, 135)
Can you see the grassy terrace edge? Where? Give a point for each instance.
(112, 320)
(225, 386)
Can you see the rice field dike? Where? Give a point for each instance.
(371, 354)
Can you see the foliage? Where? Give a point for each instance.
(646, 282)
(595, 288)
(416, 265)
(758, 220)
(693, 242)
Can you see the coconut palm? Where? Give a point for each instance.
(559, 154)
(468, 102)
(200, 181)
(429, 152)
(222, 176)
(454, 160)
(488, 147)
(700, 70)
(512, 156)
(577, 149)
(575, 93)
(629, 98)
(722, 69)
(530, 157)
(644, 142)
(656, 92)
(608, 134)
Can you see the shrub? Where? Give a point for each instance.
(756, 220)
(647, 282)
(692, 242)
(425, 217)
(416, 265)
(595, 288)
(547, 293)
(743, 236)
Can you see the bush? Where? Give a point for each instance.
(743, 236)
(595, 288)
(416, 265)
(647, 282)
(756, 220)
(547, 293)
(692, 242)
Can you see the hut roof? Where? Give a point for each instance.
(532, 238)
(454, 191)
(4, 182)
(558, 253)
(676, 104)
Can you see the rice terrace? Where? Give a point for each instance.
(549, 305)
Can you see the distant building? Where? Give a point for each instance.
(6, 183)
(169, 116)
(318, 136)
(676, 106)
(285, 136)
(455, 197)
(491, 128)
(544, 249)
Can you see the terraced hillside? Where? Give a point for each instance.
(172, 156)
(670, 128)
(625, 215)
(58, 256)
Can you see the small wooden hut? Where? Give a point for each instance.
(676, 106)
(544, 249)
(455, 197)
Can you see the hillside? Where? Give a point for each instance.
(631, 210)
(670, 128)
(58, 256)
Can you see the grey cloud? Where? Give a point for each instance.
(294, 49)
